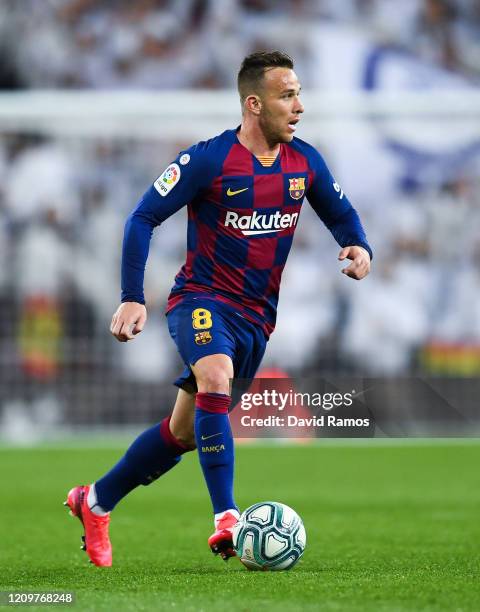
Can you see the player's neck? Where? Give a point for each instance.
(253, 139)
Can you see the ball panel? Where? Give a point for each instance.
(251, 565)
(275, 544)
(301, 536)
(288, 516)
(248, 546)
(261, 514)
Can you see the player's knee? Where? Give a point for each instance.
(184, 435)
(187, 441)
(213, 380)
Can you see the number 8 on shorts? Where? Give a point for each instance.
(201, 318)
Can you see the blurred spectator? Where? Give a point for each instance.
(40, 182)
(386, 323)
(432, 38)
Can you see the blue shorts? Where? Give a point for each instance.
(201, 326)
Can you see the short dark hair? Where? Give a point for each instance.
(253, 68)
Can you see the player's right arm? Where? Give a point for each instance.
(173, 189)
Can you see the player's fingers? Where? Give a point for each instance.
(140, 324)
(343, 253)
(120, 329)
(351, 273)
(126, 331)
(115, 327)
(348, 271)
(358, 269)
(353, 270)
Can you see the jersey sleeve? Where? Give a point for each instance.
(333, 207)
(178, 185)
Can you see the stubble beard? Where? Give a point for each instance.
(272, 135)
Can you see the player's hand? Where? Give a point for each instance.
(360, 266)
(128, 321)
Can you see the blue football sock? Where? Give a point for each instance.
(215, 447)
(153, 453)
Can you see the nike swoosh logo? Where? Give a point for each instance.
(232, 193)
(212, 436)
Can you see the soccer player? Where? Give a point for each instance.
(244, 190)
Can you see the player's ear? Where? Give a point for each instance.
(253, 104)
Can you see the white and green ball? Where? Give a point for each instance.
(269, 536)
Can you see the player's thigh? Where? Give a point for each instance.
(213, 373)
(205, 340)
(182, 419)
(252, 344)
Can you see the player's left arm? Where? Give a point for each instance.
(334, 209)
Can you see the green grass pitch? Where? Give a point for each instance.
(389, 527)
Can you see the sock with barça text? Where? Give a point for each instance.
(153, 453)
(215, 448)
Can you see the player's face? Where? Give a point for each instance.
(281, 106)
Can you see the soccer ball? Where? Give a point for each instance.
(269, 536)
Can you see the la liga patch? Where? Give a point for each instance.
(167, 181)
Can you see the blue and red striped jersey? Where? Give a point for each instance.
(241, 222)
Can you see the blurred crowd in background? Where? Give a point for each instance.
(63, 203)
(171, 44)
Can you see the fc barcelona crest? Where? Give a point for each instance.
(297, 187)
(203, 337)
